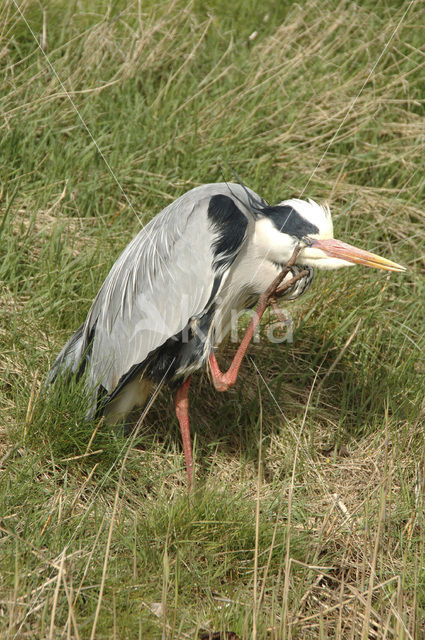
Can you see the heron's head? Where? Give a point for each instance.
(292, 222)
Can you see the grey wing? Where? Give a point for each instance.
(163, 278)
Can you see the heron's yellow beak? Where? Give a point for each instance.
(337, 249)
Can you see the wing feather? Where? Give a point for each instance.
(163, 278)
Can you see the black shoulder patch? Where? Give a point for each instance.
(230, 224)
(288, 220)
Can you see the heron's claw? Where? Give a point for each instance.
(282, 318)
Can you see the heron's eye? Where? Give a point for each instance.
(307, 241)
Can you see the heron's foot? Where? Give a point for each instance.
(280, 291)
(278, 311)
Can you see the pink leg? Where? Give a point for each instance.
(181, 404)
(222, 381)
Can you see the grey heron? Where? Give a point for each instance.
(167, 302)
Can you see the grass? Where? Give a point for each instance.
(315, 529)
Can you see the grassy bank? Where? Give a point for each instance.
(307, 520)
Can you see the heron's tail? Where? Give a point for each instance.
(71, 358)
